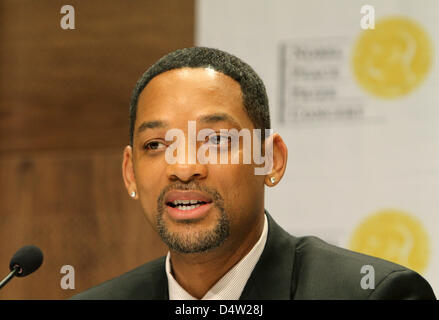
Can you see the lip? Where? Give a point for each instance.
(186, 195)
(197, 213)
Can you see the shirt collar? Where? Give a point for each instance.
(231, 285)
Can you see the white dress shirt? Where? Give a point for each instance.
(231, 285)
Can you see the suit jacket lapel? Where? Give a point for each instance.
(150, 282)
(162, 284)
(272, 276)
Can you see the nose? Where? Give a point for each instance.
(186, 172)
(185, 167)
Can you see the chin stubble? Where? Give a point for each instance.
(198, 240)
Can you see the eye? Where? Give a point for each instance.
(218, 139)
(154, 145)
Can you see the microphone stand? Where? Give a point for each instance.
(9, 276)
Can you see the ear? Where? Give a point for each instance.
(280, 158)
(128, 171)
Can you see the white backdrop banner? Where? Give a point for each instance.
(358, 110)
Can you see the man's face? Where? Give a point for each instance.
(194, 207)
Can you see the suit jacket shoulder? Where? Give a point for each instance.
(147, 282)
(309, 268)
(324, 271)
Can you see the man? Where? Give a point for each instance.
(222, 243)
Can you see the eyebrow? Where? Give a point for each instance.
(151, 125)
(219, 117)
(208, 119)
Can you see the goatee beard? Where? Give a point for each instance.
(198, 241)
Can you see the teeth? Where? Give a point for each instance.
(185, 208)
(177, 202)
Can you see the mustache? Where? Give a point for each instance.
(217, 199)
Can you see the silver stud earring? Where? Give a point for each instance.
(133, 194)
(273, 180)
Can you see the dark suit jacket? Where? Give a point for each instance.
(289, 268)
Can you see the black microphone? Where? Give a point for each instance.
(25, 261)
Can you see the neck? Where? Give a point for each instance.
(198, 272)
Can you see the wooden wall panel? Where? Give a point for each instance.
(75, 208)
(64, 99)
(71, 88)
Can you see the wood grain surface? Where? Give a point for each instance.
(64, 98)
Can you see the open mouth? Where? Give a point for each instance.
(186, 204)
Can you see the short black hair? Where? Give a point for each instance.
(255, 98)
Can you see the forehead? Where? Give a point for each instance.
(187, 93)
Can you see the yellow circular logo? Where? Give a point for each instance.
(395, 236)
(392, 59)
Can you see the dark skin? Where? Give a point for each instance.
(172, 99)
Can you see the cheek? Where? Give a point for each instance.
(148, 170)
(240, 186)
(150, 176)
